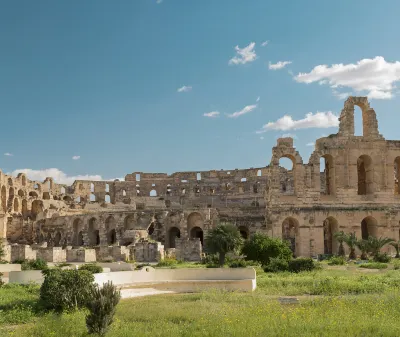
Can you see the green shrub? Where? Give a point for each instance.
(383, 258)
(1, 281)
(396, 265)
(337, 261)
(102, 308)
(276, 265)
(66, 289)
(301, 264)
(262, 248)
(91, 267)
(374, 265)
(38, 264)
(210, 259)
(167, 262)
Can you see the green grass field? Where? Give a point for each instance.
(336, 301)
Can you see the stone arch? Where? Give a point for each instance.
(365, 175)
(397, 175)
(37, 207)
(369, 121)
(369, 227)
(173, 233)
(129, 222)
(329, 175)
(197, 233)
(4, 199)
(194, 219)
(244, 232)
(57, 240)
(33, 194)
(330, 227)
(110, 225)
(10, 198)
(10, 182)
(77, 228)
(24, 207)
(93, 232)
(16, 205)
(290, 233)
(21, 193)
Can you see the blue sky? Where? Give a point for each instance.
(99, 80)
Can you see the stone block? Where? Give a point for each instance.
(22, 252)
(55, 254)
(81, 255)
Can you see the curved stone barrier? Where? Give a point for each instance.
(183, 280)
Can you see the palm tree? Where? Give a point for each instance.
(351, 241)
(223, 239)
(376, 244)
(363, 245)
(396, 246)
(339, 236)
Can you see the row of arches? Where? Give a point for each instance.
(366, 184)
(290, 233)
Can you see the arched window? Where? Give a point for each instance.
(174, 233)
(153, 193)
(327, 175)
(107, 198)
(358, 121)
(92, 197)
(369, 227)
(107, 188)
(330, 226)
(289, 233)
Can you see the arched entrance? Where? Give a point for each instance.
(77, 233)
(197, 233)
(244, 232)
(369, 227)
(365, 175)
(290, 232)
(57, 240)
(111, 237)
(174, 233)
(330, 228)
(93, 233)
(110, 229)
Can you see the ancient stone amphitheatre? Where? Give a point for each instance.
(164, 220)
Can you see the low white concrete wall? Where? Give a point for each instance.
(25, 277)
(184, 279)
(6, 268)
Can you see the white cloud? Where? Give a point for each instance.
(310, 144)
(245, 110)
(59, 176)
(159, 1)
(211, 114)
(244, 55)
(279, 65)
(317, 120)
(288, 135)
(341, 95)
(264, 43)
(261, 137)
(76, 157)
(8, 154)
(184, 88)
(258, 99)
(375, 77)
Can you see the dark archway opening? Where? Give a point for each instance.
(197, 233)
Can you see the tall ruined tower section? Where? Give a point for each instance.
(346, 119)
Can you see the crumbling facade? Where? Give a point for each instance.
(357, 191)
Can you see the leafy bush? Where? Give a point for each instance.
(210, 259)
(91, 267)
(102, 308)
(396, 265)
(66, 289)
(337, 261)
(1, 281)
(301, 264)
(167, 262)
(262, 248)
(374, 265)
(276, 265)
(383, 258)
(38, 264)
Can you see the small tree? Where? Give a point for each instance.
(363, 246)
(376, 244)
(262, 248)
(351, 241)
(339, 236)
(223, 239)
(396, 246)
(2, 251)
(102, 308)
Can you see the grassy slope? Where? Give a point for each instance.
(373, 312)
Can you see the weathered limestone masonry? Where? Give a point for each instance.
(149, 213)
